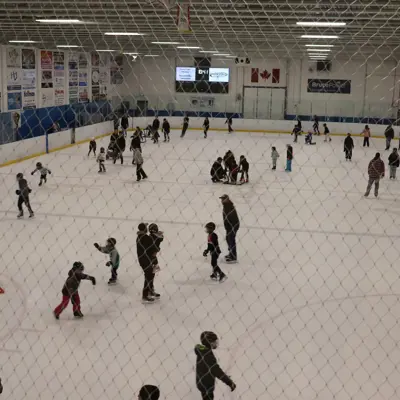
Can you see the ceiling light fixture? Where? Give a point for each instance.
(105, 50)
(319, 45)
(317, 50)
(320, 37)
(68, 45)
(60, 21)
(123, 34)
(165, 42)
(151, 55)
(221, 54)
(231, 56)
(188, 47)
(320, 23)
(208, 51)
(22, 41)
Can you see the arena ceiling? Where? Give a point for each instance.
(252, 28)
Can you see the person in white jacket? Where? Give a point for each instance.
(137, 157)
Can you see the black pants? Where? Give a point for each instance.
(102, 168)
(206, 130)
(349, 153)
(214, 264)
(43, 178)
(209, 395)
(24, 200)
(119, 155)
(244, 174)
(366, 142)
(231, 242)
(316, 128)
(92, 149)
(148, 287)
(140, 172)
(114, 274)
(166, 136)
(230, 129)
(184, 129)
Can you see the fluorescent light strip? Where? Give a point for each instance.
(123, 34)
(68, 45)
(319, 45)
(318, 55)
(317, 50)
(151, 55)
(131, 54)
(318, 23)
(221, 54)
(165, 42)
(22, 41)
(231, 56)
(208, 51)
(320, 37)
(188, 47)
(60, 21)
(105, 50)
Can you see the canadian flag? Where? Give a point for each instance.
(264, 74)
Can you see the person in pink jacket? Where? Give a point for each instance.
(367, 134)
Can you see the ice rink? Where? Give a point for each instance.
(310, 311)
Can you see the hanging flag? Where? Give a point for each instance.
(276, 75)
(254, 75)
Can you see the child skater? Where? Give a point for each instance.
(308, 138)
(367, 134)
(207, 368)
(166, 129)
(215, 251)
(157, 237)
(206, 126)
(244, 169)
(101, 158)
(43, 173)
(137, 157)
(274, 156)
(92, 146)
(289, 158)
(348, 147)
(23, 196)
(327, 133)
(70, 290)
(110, 249)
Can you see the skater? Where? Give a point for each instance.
(23, 196)
(316, 125)
(244, 169)
(119, 148)
(215, 251)
(230, 163)
(394, 163)
(297, 130)
(229, 122)
(206, 126)
(389, 135)
(327, 133)
(110, 249)
(166, 129)
(124, 124)
(289, 158)
(43, 173)
(70, 290)
(274, 156)
(154, 128)
(92, 146)
(149, 392)
(348, 147)
(101, 158)
(232, 225)
(135, 142)
(367, 134)
(308, 138)
(113, 139)
(217, 171)
(233, 173)
(185, 126)
(138, 160)
(376, 171)
(146, 252)
(207, 368)
(157, 236)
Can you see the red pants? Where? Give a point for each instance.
(76, 303)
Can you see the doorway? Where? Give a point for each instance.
(264, 103)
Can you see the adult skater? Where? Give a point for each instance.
(394, 163)
(297, 130)
(289, 158)
(232, 225)
(316, 125)
(166, 128)
(155, 127)
(23, 196)
(367, 134)
(327, 133)
(124, 124)
(217, 171)
(146, 251)
(135, 142)
(185, 125)
(119, 148)
(149, 392)
(230, 163)
(389, 135)
(207, 368)
(138, 160)
(230, 123)
(206, 126)
(376, 171)
(348, 147)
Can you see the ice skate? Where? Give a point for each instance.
(112, 282)
(20, 215)
(31, 215)
(214, 277)
(78, 314)
(147, 300)
(55, 315)
(222, 278)
(156, 296)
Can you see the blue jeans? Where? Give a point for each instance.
(231, 241)
(289, 165)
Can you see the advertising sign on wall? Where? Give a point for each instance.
(29, 99)
(46, 59)
(14, 101)
(339, 86)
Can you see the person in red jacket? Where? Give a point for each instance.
(376, 171)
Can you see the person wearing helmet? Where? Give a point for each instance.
(207, 368)
(92, 146)
(157, 236)
(70, 290)
(110, 249)
(215, 251)
(43, 172)
(23, 196)
(149, 392)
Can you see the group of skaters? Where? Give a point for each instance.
(298, 130)
(226, 169)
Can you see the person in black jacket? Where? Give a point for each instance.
(119, 148)
(149, 392)
(217, 171)
(23, 196)
(70, 290)
(229, 122)
(327, 133)
(232, 225)
(124, 124)
(207, 368)
(155, 127)
(206, 126)
(185, 125)
(1, 387)
(135, 142)
(157, 236)
(316, 125)
(348, 147)
(92, 146)
(214, 250)
(146, 251)
(166, 129)
(389, 135)
(394, 163)
(244, 169)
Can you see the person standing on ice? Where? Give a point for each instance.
(232, 225)
(376, 171)
(348, 147)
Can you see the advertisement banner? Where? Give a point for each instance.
(95, 77)
(59, 78)
(59, 97)
(83, 77)
(28, 78)
(83, 95)
(13, 57)
(47, 79)
(14, 101)
(59, 60)
(83, 61)
(339, 86)
(46, 59)
(47, 97)
(29, 99)
(13, 79)
(95, 93)
(28, 59)
(95, 59)
(73, 61)
(104, 77)
(73, 78)
(73, 95)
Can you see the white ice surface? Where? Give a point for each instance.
(310, 312)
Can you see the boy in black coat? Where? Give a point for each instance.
(348, 146)
(215, 251)
(92, 146)
(244, 169)
(207, 368)
(394, 163)
(166, 130)
(157, 236)
(23, 196)
(206, 126)
(217, 171)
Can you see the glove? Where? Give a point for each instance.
(32, 173)
(233, 386)
(29, 190)
(97, 246)
(50, 172)
(205, 252)
(108, 264)
(93, 279)
(18, 192)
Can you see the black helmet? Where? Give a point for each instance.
(38, 165)
(153, 228)
(78, 266)
(112, 241)
(20, 175)
(210, 226)
(208, 338)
